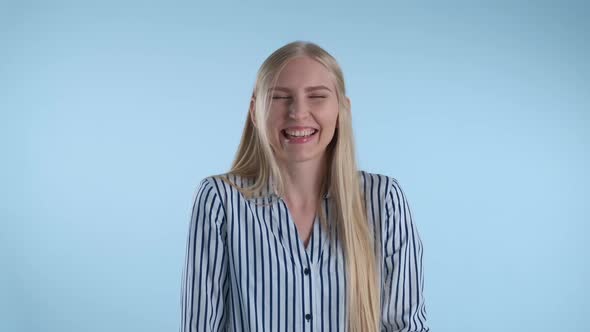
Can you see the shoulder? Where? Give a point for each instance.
(224, 185)
(376, 183)
(206, 202)
(219, 191)
(382, 191)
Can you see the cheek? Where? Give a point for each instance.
(273, 124)
(329, 119)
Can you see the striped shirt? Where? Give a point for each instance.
(246, 268)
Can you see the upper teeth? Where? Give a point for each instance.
(305, 132)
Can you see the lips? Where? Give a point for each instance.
(288, 136)
(298, 140)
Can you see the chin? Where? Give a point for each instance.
(301, 157)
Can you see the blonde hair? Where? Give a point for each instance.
(255, 159)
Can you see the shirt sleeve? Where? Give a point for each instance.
(403, 307)
(204, 284)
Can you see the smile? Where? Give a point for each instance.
(299, 136)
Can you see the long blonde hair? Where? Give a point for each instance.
(255, 159)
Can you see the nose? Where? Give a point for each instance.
(298, 109)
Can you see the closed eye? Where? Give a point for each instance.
(290, 97)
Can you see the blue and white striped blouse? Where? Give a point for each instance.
(246, 268)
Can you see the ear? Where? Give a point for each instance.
(348, 102)
(252, 110)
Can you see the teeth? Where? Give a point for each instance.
(300, 133)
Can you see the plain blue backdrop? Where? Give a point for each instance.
(111, 114)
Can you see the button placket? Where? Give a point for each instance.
(309, 282)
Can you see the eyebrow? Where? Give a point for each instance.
(307, 89)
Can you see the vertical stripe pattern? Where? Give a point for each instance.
(246, 268)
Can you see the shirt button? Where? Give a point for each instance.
(306, 271)
(307, 317)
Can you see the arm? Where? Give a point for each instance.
(204, 285)
(403, 307)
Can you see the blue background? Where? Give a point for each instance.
(113, 112)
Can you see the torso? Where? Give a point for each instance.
(252, 248)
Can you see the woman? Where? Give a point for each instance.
(294, 237)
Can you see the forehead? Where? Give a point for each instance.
(304, 71)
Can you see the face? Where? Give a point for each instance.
(303, 112)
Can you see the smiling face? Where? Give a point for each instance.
(303, 113)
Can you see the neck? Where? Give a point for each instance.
(303, 182)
